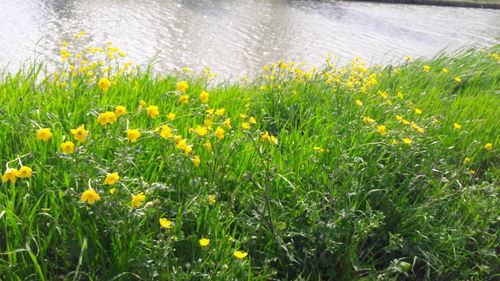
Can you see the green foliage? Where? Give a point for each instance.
(334, 199)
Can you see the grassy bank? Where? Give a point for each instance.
(354, 173)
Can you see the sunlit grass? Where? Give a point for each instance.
(349, 173)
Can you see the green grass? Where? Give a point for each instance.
(362, 209)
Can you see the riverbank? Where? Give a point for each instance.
(113, 172)
(484, 4)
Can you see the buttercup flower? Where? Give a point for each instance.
(220, 111)
(25, 172)
(80, 134)
(10, 175)
(219, 133)
(201, 130)
(111, 178)
(171, 116)
(166, 132)
(488, 146)
(106, 118)
(137, 199)
(227, 123)
(184, 99)
(204, 97)
(457, 126)
(211, 199)
(204, 242)
(104, 84)
(153, 111)
(196, 160)
(418, 111)
(382, 130)
(68, 147)
(359, 103)
(90, 196)
(120, 110)
(407, 140)
(245, 125)
(44, 134)
(182, 86)
(133, 134)
(240, 255)
(165, 223)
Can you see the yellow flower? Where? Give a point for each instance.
(245, 125)
(165, 223)
(407, 140)
(104, 84)
(112, 190)
(166, 132)
(418, 111)
(227, 123)
(204, 97)
(80, 134)
(243, 115)
(400, 95)
(184, 99)
(394, 142)
(472, 172)
(44, 134)
(240, 255)
(457, 126)
(68, 147)
(201, 130)
(444, 70)
(458, 79)
(196, 160)
(368, 120)
(219, 133)
(182, 86)
(171, 116)
(120, 110)
(10, 175)
(420, 130)
(142, 103)
(111, 178)
(406, 122)
(90, 196)
(399, 117)
(208, 123)
(208, 146)
(133, 134)
(25, 172)
(211, 199)
(319, 149)
(220, 111)
(359, 103)
(267, 137)
(488, 146)
(466, 160)
(382, 130)
(137, 199)
(153, 111)
(187, 149)
(252, 120)
(426, 68)
(204, 242)
(107, 118)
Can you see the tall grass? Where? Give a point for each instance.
(334, 198)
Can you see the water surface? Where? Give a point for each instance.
(238, 37)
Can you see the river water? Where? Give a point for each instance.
(238, 37)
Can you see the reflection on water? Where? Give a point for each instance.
(237, 37)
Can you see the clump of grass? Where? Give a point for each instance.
(354, 173)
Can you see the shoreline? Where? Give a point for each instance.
(443, 3)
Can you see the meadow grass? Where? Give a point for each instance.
(351, 173)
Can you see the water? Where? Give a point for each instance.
(238, 37)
